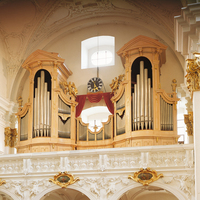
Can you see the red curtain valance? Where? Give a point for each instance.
(94, 98)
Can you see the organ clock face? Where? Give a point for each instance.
(94, 84)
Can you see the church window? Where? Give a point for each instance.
(98, 52)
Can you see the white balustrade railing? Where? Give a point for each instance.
(99, 160)
(102, 172)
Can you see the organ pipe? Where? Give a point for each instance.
(146, 97)
(38, 106)
(142, 93)
(44, 109)
(34, 113)
(138, 101)
(42, 104)
(135, 106)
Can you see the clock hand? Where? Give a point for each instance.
(96, 88)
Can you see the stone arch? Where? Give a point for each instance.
(7, 192)
(78, 188)
(176, 192)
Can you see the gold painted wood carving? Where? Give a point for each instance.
(10, 137)
(188, 119)
(69, 88)
(193, 73)
(116, 82)
(145, 176)
(63, 179)
(2, 182)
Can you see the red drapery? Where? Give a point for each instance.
(94, 98)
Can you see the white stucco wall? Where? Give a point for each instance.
(69, 48)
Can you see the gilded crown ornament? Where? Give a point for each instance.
(145, 176)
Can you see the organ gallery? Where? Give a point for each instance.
(143, 114)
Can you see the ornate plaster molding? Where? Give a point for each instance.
(186, 183)
(26, 189)
(103, 187)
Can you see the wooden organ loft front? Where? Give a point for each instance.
(143, 113)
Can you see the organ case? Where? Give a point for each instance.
(149, 112)
(47, 120)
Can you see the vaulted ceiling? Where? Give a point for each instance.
(28, 25)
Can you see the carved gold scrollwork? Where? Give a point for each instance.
(2, 182)
(193, 73)
(69, 88)
(63, 179)
(116, 82)
(145, 176)
(188, 119)
(10, 137)
(120, 112)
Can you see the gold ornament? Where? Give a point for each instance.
(188, 119)
(116, 82)
(69, 88)
(2, 182)
(63, 179)
(193, 74)
(145, 176)
(10, 137)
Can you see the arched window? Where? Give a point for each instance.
(98, 52)
(94, 116)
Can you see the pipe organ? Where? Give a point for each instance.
(149, 112)
(144, 114)
(47, 121)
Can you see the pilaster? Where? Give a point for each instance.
(196, 130)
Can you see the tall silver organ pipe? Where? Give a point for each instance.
(142, 93)
(42, 107)
(135, 107)
(138, 101)
(142, 101)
